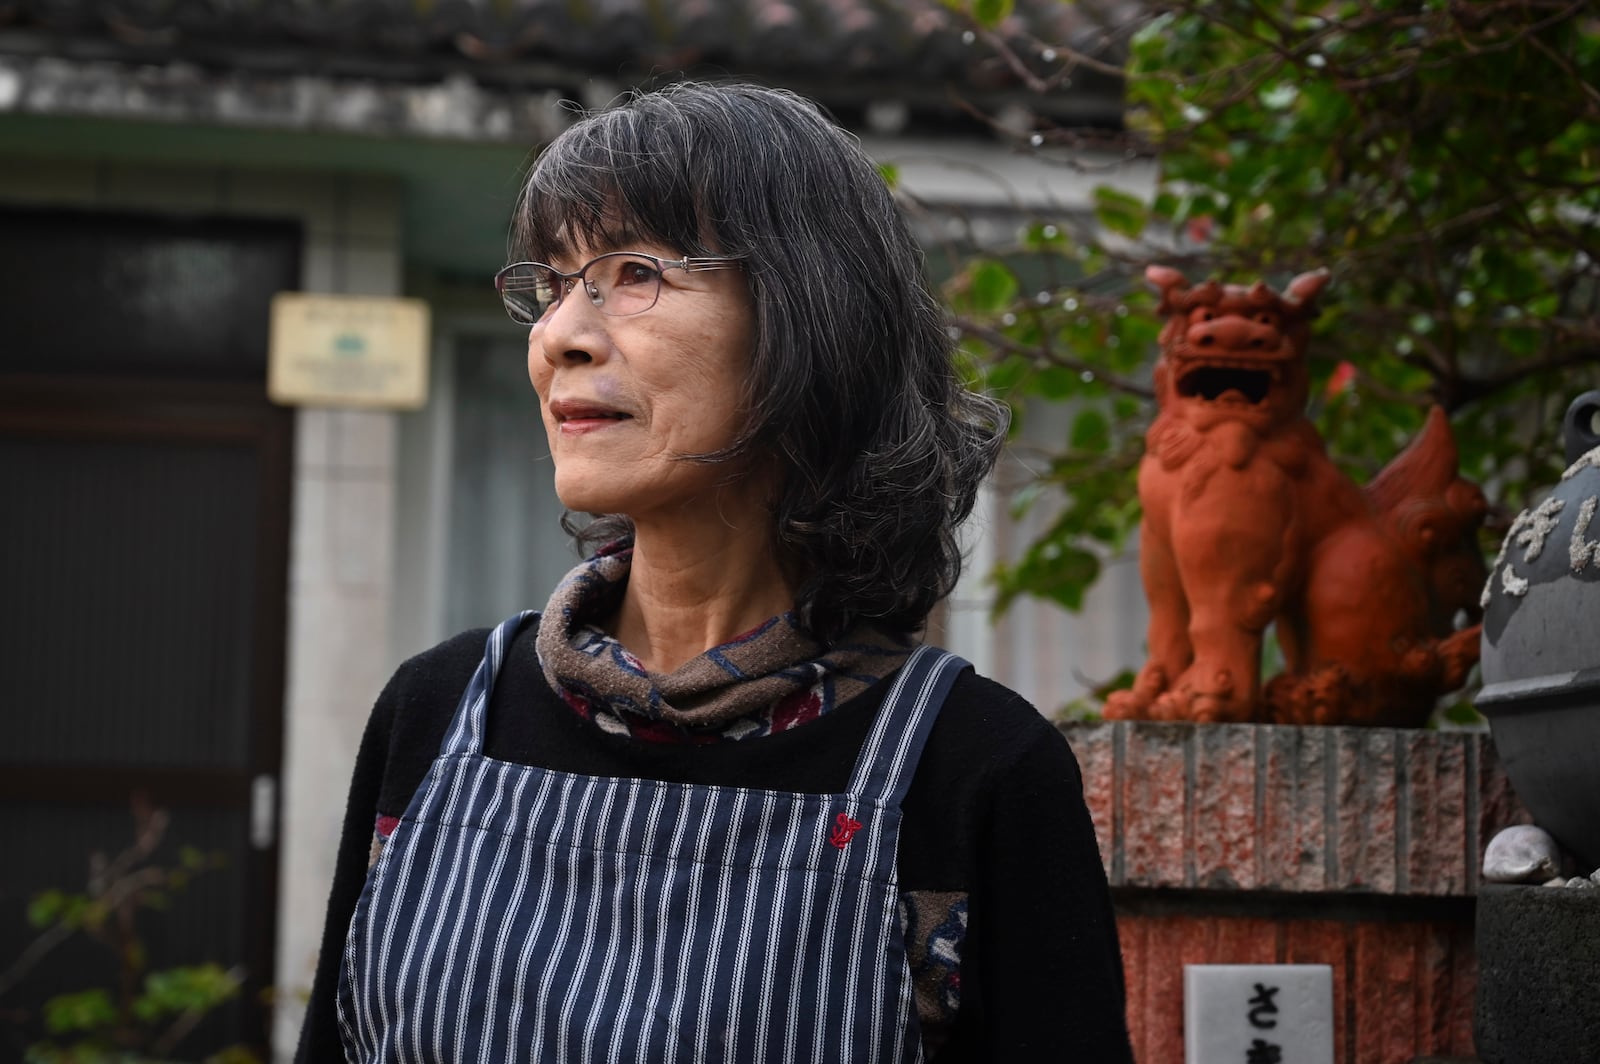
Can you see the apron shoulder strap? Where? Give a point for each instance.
(467, 727)
(889, 757)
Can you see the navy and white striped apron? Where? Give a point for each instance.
(523, 913)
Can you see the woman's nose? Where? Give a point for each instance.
(573, 332)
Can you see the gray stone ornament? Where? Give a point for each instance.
(1541, 646)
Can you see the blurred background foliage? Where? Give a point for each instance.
(1442, 159)
(123, 1009)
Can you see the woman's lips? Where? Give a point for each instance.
(576, 417)
(579, 425)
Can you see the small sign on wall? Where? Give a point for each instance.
(1258, 1014)
(348, 351)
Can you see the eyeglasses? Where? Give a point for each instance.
(619, 283)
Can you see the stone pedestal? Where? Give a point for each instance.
(1353, 847)
(1539, 959)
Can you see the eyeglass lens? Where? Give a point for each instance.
(618, 284)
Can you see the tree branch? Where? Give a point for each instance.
(999, 340)
(1472, 388)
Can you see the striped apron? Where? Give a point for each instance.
(523, 913)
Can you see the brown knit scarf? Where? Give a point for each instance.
(767, 680)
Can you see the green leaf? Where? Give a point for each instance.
(234, 1055)
(990, 13)
(76, 911)
(93, 915)
(1120, 211)
(45, 908)
(993, 286)
(1464, 714)
(890, 174)
(86, 1010)
(1001, 377)
(1091, 431)
(1056, 382)
(1046, 237)
(1058, 572)
(199, 988)
(1126, 408)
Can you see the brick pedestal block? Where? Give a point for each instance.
(1354, 847)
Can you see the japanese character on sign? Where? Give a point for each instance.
(1263, 1005)
(1263, 1052)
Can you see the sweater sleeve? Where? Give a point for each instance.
(320, 1032)
(319, 1037)
(1050, 964)
(402, 737)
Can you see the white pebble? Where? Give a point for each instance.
(1522, 853)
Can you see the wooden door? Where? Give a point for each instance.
(144, 527)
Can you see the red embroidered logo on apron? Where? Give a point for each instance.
(844, 829)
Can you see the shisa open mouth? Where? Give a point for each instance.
(1227, 381)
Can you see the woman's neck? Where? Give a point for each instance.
(699, 577)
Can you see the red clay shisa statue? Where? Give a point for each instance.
(1247, 522)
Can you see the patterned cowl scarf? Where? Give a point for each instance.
(770, 679)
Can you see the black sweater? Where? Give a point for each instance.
(995, 811)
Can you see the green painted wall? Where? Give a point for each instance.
(457, 195)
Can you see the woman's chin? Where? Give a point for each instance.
(677, 494)
(588, 502)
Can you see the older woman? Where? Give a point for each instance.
(714, 802)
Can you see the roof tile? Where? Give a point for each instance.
(823, 38)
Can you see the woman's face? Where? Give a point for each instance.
(623, 398)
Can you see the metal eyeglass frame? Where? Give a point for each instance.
(505, 284)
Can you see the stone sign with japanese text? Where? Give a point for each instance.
(1258, 1014)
